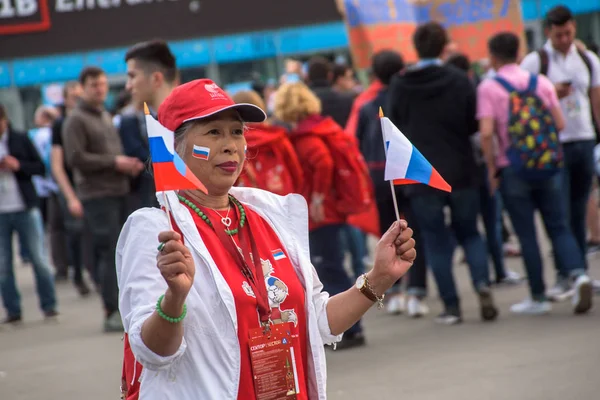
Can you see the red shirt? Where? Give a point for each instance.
(286, 293)
(132, 370)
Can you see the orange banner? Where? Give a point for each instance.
(375, 25)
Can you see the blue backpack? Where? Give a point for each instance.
(534, 148)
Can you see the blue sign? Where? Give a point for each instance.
(191, 53)
(111, 61)
(244, 47)
(535, 9)
(4, 75)
(34, 71)
(233, 88)
(312, 38)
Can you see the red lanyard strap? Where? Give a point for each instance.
(254, 275)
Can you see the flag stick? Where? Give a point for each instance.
(167, 210)
(395, 200)
(391, 182)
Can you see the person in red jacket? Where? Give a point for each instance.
(271, 162)
(365, 97)
(297, 106)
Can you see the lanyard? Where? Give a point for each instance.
(253, 273)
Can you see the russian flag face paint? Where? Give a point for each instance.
(200, 152)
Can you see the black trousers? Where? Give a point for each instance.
(417, 275)
(105, 217)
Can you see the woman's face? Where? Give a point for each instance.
(215, 151)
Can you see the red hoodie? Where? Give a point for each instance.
(269, 149)
(367, 221)
(368, 95)
(317, 163)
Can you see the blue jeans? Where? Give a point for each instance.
(577, 180)
(26, 224)
(24, 252)
(355, 241)
(439, 240)
(491, 212)
(23, 249)
(521, 199)
(327, 255)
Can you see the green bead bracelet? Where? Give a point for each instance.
(165, 316)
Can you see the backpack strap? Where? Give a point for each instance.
(544, 61)
(588, 64)
(586, 61)
(533, 79)
(504, 83)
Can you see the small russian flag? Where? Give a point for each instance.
(169, 170)
(201, 152)
(404, 163)
(278, 254)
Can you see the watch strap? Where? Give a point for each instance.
(368, 292)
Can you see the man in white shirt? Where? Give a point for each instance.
(19, 212)
(576, 76)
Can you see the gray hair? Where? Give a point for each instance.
(181, 132)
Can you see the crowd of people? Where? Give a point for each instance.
(323, 135)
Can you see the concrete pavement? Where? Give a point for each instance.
(554, 357)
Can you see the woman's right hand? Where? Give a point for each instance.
(176, 264)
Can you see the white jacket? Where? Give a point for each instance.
(207, 364)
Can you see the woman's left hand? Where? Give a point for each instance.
(395, 253)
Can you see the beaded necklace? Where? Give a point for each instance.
(205, 218)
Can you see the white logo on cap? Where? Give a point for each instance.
(214, 91)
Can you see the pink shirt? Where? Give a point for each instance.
(492, 102)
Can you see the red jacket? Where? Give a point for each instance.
(369, 220)
(317, 164)
(275, 138)
(259, 134)
(368, 95)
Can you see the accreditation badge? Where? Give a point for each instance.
(273, 361)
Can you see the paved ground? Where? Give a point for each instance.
(554, 357)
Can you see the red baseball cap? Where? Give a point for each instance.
(199, 99)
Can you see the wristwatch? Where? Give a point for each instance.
(362, 284)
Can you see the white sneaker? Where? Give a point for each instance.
(416, 308)
(561, 291)
(512, 278)
(396, 304)
(531, 307)
(582, 298)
